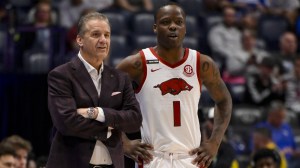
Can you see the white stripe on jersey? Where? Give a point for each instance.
(169, 97)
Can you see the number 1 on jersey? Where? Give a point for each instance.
(176, 113)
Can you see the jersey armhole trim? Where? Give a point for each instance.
(199, 70)
(144, 66)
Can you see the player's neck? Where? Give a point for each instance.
(171, 56)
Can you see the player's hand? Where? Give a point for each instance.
(138, 151)
(205, 154)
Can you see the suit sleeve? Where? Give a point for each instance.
(63, 110)
(129, 118)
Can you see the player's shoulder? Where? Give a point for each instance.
(129, 61)
(136, 56)
(205, 58)
(202, 56)
(132, 64)
(207, 64)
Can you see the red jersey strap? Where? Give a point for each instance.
(198, 65)
(144, 67)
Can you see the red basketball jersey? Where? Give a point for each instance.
(169, 97)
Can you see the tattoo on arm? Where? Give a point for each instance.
(219, 93)
(215, 72)
(136, 72)
(137, 64)
(205, 66)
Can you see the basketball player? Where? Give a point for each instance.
(169, 79)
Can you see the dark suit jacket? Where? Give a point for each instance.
(70, 87)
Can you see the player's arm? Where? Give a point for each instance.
(134, 149)
(133, 66)
(211, 79)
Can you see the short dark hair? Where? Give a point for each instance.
(266, 153)
(227, 7)
(263, 131)
(275, 105)
(167, 4)
(7, 149)
(268, 62)
(18, 142)
(89, 16)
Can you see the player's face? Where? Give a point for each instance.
(170, 27)
(95, 42)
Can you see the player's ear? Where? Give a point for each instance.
(154, 28)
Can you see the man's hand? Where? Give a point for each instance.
(205, 154)
(83, 112)
(137, 151)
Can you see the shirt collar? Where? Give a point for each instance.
(88, 66)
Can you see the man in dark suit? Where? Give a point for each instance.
(90, 103)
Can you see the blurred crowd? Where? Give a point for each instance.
(16, 152)
(254, 42)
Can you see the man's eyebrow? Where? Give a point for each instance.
(98, 31)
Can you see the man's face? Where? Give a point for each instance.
(248, 41)
(43, 12)
(259, 141)
(277, 118)
(170, 26)
(21, 159)
(229, 17)
(267, 162)
(95, 42)
(289, 44)
(7, 161)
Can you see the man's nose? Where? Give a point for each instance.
(172, 26)
(102, 38)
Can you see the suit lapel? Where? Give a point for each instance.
(108, 83)
(83, 77)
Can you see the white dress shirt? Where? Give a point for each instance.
(100, 154)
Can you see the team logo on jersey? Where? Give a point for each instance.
(188, 71)
(173, 86)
